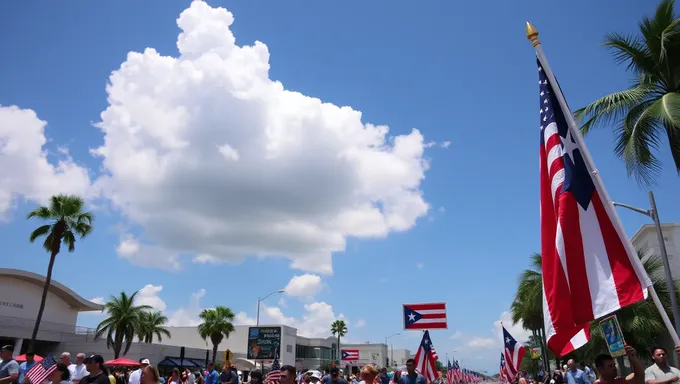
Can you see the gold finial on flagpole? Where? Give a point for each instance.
(532, 34)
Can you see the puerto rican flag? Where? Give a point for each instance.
(514, 352)
(590, 269)
(425, 316)
(350, 354)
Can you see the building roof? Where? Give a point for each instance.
(650, 227)
(64, 293)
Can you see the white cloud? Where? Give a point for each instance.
(484, 342)
(457, 335)
(309, 174)
(360, 323)
(188, 316)
(516, 330)
(25, 169)
(98, 300)
(149, 296)
(445, 144)
(152, 256)
(314, 322)
(420, 265)
(306, 285)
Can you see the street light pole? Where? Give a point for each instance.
(391, 348)
(653, 213)
(257, 319)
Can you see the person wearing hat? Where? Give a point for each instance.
(9, 368)
(136, 376)
(315, 377)
(98, 373)
(26, 366)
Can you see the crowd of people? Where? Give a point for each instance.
(605, 371)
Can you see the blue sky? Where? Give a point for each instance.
(462, 73)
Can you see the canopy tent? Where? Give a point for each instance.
(244, 364)
(173, 362)
(122, 362)
(36, 358)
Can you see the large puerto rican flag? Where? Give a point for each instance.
(589, 267)
(425, 316)
(350, 354)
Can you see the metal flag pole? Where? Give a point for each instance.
(532, 35)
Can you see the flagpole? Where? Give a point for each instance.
(532, 35)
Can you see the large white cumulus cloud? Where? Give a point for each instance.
(24, 167)
(211, 158)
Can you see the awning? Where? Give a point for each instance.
(176, 362)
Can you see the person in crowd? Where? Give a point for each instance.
(199, 378)
(98, 374)
(396, 376)
(255, 377)
(606, 367)
(9, 368)
(315, 377)
(326, 378)
(174, 377)
(287, 375)
(228, 376)
(136, 375)
(557, 377)
(384, 379)
(61, 375)
(212, 377)
(368, 374)
(661, 372)
(335, 376)
(412, 377)
(78, 369)
(575, 375)
(150, 375)
(26, 366)
(189, 376)
(589, 372)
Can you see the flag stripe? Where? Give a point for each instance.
(427, 307)
(622, 270)
(427, 324)
(437, 315)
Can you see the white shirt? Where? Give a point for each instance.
(135, 377)
(77, 372)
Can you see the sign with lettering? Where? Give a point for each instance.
(264, 343)
(10, 304)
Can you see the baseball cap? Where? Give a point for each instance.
(8, 348)
(92, 359)
(316, 374)
(145, 361)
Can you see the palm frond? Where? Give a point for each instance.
(43, 230)
(611, 107)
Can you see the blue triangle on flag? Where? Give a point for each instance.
(411, 316)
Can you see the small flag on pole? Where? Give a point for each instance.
(42, 370)
(274, 376)
(514, 352)
(425, 358)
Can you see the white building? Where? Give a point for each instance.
(646, 241)
(21, 291)
(399, 356)
(20, 294)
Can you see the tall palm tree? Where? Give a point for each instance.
(122, 324)
(650, 108)
(641, 323)
(339, 329)
(152, 323)
(66, 221)
(216, 325)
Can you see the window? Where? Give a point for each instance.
(307, 352)
(289, 348)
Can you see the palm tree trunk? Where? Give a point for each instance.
(338, 357)
(214, 352)
(48, 280)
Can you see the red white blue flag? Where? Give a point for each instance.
(426, 358)
(588, 269)
(350, 354)
(425, 316)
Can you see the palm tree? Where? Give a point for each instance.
(339, 329)
(122, 324)
(216, 325)
(152, 323)
(650, 108)
(66, 220)
(641, 323)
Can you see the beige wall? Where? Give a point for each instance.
(21, 299)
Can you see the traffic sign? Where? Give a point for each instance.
(227, 355)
